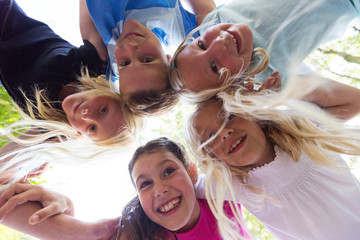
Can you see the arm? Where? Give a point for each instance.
(340, 100)
(89, 32)
(53, 203)
(58, 227)
(201, 8)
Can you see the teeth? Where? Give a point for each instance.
(234, 40)
(236, 144)
(169, 206)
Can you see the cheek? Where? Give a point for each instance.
(217, 151)
(146, 204)
(239, 64)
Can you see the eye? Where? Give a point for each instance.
(103, 110)
(92, 129)
(212, 134)
(231, 116)
(213, 67)
(124, 63)
(168, 171)
(147, 60)
(144, 184)
(201, 45)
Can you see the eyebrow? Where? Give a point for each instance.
(157, 166)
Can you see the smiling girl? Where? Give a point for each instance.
(288, 30)
(166, 206)
(283, 167)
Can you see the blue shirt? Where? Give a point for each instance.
(288, 29)
(166, 18)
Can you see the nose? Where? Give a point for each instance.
(219, 45)
(225, 133)
(160, 190)
(87, 114)
(131, 46)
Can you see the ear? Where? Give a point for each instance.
(168, 57)
(192, 171)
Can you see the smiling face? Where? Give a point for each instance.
(141, 60)
(221, 46)
(96, 116)
(166, 191)
(241, 143)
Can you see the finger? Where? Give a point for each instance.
(18, 199)
(17, 188)
(70, 211)
(37, 172)
(44, 213)
(267, 84)
(277, 82)
(249, 86)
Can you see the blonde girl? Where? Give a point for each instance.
(289, 31)
(40, 72)
(264, 151)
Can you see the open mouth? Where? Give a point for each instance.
(237, 144)
(236, 39)
(169, 206)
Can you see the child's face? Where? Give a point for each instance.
(241, 143)
(166, 191)
(141, 60)
(96, 116)
(221, 46)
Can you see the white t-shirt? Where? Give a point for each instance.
(314, 201)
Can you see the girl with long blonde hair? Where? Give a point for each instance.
(280, 158)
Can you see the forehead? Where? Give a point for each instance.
(153, 159)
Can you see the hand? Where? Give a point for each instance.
(53, 203)
(272, 83)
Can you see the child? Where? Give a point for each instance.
(135, 33)
(284, 168)
(166, 205)
(45, 87)
(165, 208)
(288, 30)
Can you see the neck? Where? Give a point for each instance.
(194, 219)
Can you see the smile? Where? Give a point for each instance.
(169, 206)
(236, 39)
(236, 145)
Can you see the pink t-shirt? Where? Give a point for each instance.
(207, 228)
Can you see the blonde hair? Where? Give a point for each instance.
(288, 125)
(260, 61)
(49, 134)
